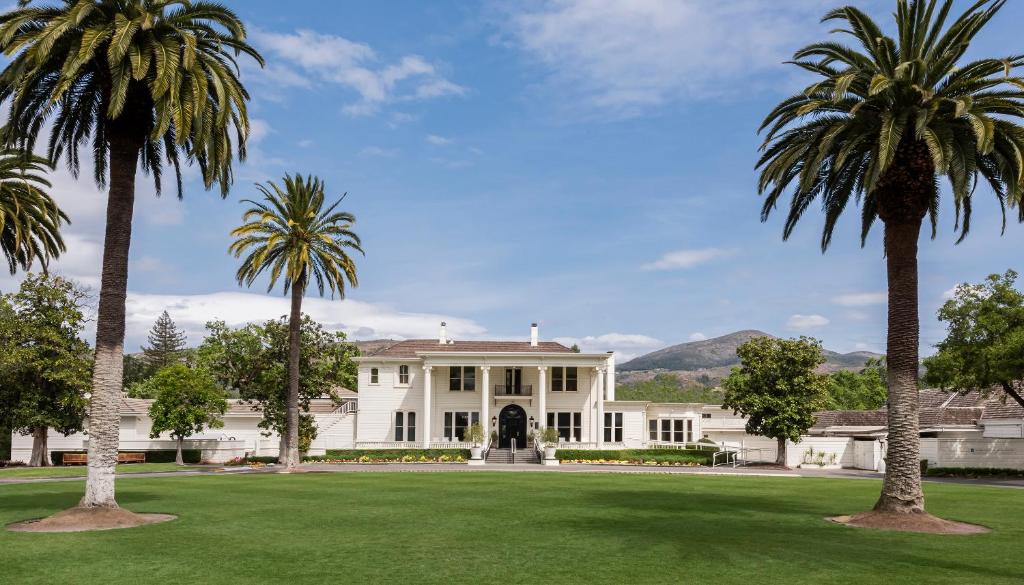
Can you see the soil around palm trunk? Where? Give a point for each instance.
(89, 519)
(913, 522)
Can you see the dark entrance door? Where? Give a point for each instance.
(512, 427)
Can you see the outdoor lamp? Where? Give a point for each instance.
(533, 425)
(494, 420)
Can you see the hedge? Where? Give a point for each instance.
(155, 456)
(975, 472)
(699, 456)
(388, 454)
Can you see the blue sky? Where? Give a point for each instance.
(587, 164)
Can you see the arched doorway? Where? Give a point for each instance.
(512, 427)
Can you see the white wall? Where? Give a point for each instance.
(1004, 453)
(841, 447)
(1003, 429)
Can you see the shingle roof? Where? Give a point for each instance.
(410, 347)
(1002, 407)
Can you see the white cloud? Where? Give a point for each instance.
(806, 322)
(682, 259)
(625, 345)
(322, 58)
(438, 140)
(358, 319)
(697, 336)
(862, 299)
(378, 151)
(625, 56)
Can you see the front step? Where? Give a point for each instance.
(504, 457)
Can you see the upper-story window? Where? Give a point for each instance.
(375, 375)
(403, 374)
(564, 379)
(462, 378)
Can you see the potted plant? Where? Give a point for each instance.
(548, 436)
(475, 436)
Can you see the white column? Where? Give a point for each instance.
(600, 407)
(610, 385)
(485, 402)
(542, 396)
(425, 425)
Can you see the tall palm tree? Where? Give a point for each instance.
(30, 220)
(885, 119)
(295, 236)
(136, 83)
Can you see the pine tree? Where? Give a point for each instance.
(166, 343)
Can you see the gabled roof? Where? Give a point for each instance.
(411, 347)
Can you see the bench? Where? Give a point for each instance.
(131, 457)
(75, 459)
(83, 458)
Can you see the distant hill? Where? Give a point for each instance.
(715, 357)
(374, 345)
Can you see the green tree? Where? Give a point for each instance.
(30, 220)
(984, 345)
(777, 388)
(133, 84)
(44, 365)
(883, 120)
(251, 362)
(665, 387)
(863, 390)
(166, 343)
(135, 371)
(296, 236)
(187, 402)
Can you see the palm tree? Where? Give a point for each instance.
(30, 220)
(296, 238)
(135, 83)
(882, 123)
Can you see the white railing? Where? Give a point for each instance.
(349, 406)
(687, 446)
(412, 445)
(737, 456)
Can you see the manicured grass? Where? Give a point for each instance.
(80, 470)
(508, 528)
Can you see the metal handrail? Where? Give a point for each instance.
(514, 450)
(522, 390)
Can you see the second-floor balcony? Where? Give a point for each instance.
(518, 390)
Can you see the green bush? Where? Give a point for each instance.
(397, 455)
(155, 456)
(924, 467)
(260, 459)
(702, 457)
(976, 472)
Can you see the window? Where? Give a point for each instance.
(374, 375)
(405, 426)
(462, 378)
(456, 423)
(403, 374)
(613, 427)
(569, 425)
(564, 379)
(673, 430)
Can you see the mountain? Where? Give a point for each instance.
(714, 357)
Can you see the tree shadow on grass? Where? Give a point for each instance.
(57, 501)
(752, 526)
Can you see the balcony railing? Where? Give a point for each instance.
(522, 390)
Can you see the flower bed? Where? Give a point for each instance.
(391, 456)
(663, 457)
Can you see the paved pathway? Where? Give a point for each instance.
(569, 468)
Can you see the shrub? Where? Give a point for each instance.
(5, 463)
(924, 467)
(975, 472)
(260, 459)
(692, 456)
(193, 456)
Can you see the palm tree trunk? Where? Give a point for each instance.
(104, 405)
(40, 453)
(780, 452)
(901, 491)
(294, 336)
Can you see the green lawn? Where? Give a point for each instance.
(508, 528)
(79, 470)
